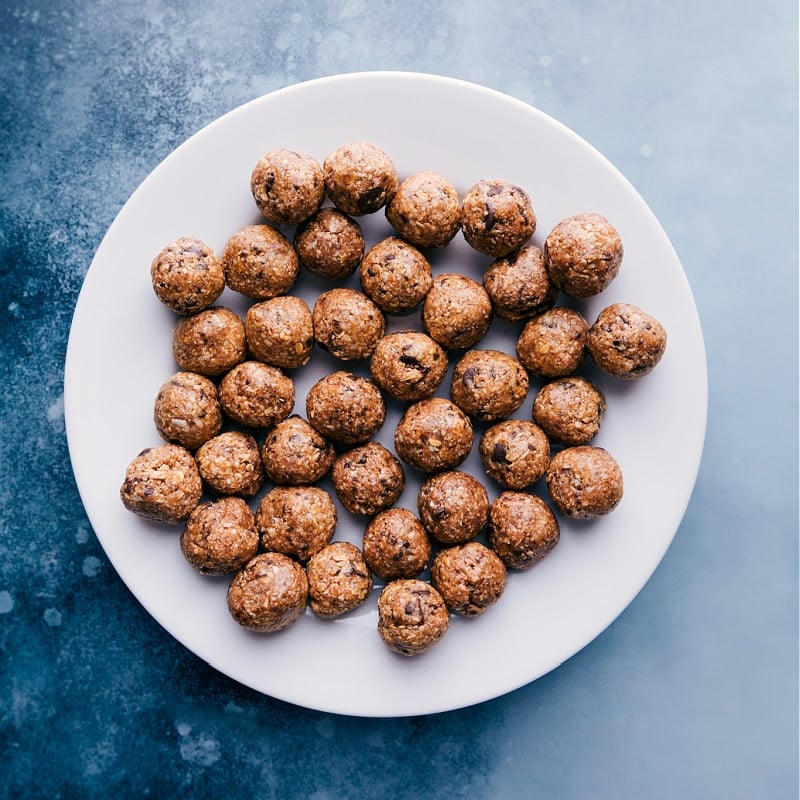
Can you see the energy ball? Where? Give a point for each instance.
(162, 483)
(187, 410)
(518, 284)
(295, 454)
(187, 275)
(395, 275)
(457, 311)
(626, 342)
(288, 187)
(345, 408)
(396, 545)
(231, 464)
(515, 453)
(280, 332)
(220, 537)
(260, 262)
(433, 435)
(497, 217)
(469, 577)
(412, 616)
(585, 482)
(583, 254)
(297, 521)
(256, 395)
(522, 529)
(338, 580)
(268, 594)
(553, 343)
(425, 210)
(488, 384)
(453, 506)
(210, 342)
(330, 244)
(569, 410)
(368, 479)
(359, 178)
(408, 365)
(347, 324)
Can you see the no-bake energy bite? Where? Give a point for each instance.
(396, 545)
(569, 410)
(497, 217)
(469, 577)
(515, 453)
(288, 187)
(280, 332)
(408, 365)
(453, 506)
(457, 311)
(553, 343)
(519, 285)
(187, 410)
(368, 479)
(412, 616)
(488, 384)
(396, 275)
(330, 244)
(209, 342)
(230, 464)
(522, 529)
(295, 454)
(360, 178)
(256, 395)
(338, 580)
(585, 482)
(425, 210)
(347, 324)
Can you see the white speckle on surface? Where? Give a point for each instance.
(201, 750)
(52, 616)
(325, 728)
(352, 8)
(584, 60)
(13, 308)
(545, 61)
(91, 566)
(646, 150)
(547, 82)
(82, 534)
(55, 410)
(183, 728)
(6, 602)
(295, 18)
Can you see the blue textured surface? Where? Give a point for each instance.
(692, 692)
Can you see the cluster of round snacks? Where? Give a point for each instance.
(257, 486)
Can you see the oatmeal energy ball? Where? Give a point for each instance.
(518, 284)
(359, 178)
(395, 275)
(515, 453)
(209, 342)
(187, 410)
(522, 529)
(368, 479)
(256, 395)
(469, 577)
(497, 217)
(569, 410)
(408, 365)
(230, 464)
(347, 324)
(425, 210)
(295, 454)
(453, 506)
(288, 187)
(280, 332)
(330, 244)
(396, 545)
(585, 482)
(488, 384)
(338, 580)
(187, 275)
(412, 616)
(553, 343)
(457, 311)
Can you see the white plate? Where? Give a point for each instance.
(119, 354)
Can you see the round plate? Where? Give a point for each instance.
(120, 352)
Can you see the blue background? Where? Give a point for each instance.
(693, 691)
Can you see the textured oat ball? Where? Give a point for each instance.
(408, 365)
(330, 244)
(359, 178)
(395, 275)
(209, 342)
(522, 529)
(488, 384)
(553, 343)
(518, 284)
(457, 311)
(368, 479)
(256, 395)
(433, 435)
(412, 616)
(296, 520)
(469, 577)
(268, 594)
(345, 408)
(220, 536)
(187, 275)
(515, 453)
(347, 324)
(453, 506)
(569, 410)
(497, 217)
(338, 580)
(626, 342)
(294, 453)
(585, 482)
(231, 464)
(425, 210)
(280, 332)
(583, 254)
(162, 483)
(396, 545)
(288, 187)
(187, 410)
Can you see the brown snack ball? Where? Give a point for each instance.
(187, 410)
(553, 344)
(515, 453)
(453, 506)
(585, 482)
(569, 410)
(408, 365)
(583, 254)
(626, 342)
(457, 311)
(396, 545)
(296, 520)
(295, 454)
(162, 483)
(187, 275)
(412, 616)
(488, 384)
(433, 435)
(368, 479)
(522, 529)
(220, 537)
(209, 342)
(288, 187)
(425, 210)
(280, 332)
(470, 578)
(230, 464)
(338, 580)
(259, 262)
(268, 594)
(359, 178)
(395, 275)
(330, 244)
(256, 395)
(518, 284)
(347, 324)
(497, 217)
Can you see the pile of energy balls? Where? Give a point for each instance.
(226, 416)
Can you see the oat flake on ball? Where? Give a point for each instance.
(288, 187)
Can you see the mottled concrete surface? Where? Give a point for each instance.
(693, 691)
